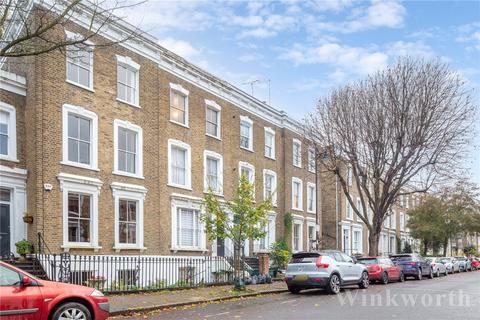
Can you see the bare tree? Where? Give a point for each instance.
(27, 26)
(398, 131)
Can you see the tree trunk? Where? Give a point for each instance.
(445, 246)
(425, 247)
(373, 243)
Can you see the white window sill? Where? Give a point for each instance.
(179, 186)
(311, 212)
(311, 171)
(129, 103)
(8, 158)
(214, 137)
(120, 247)
(192, 249)
(127, 174)
(298, 209)
(80, 85)
(67, 247)
(218, 194)
(271, 158)
(247, 149)
(180, 124)
(297, 166)
(79, 165)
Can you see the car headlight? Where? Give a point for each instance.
(96, 293)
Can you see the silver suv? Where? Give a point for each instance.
(328, 269)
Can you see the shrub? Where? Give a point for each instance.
(24, 247)
(280, 254)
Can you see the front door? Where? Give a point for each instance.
(220, 247)
(4, 222)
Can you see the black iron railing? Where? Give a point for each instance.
(137, 273)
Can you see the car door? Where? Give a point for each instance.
(18, 301)
(342, 266)
(425, 265)
(393, 270)
(353, 270)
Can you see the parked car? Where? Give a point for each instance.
(437, 267)
(475, 263)
(413, 265)
(451, 264)
(328, 269)
(464, 264)
(382, 270)
(29, 298)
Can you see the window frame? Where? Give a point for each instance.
(270, 131)
(189, 203)
(130, 192)
(128, 63)
(311, 185)
(248, 121)
(348, 210)
(117, 124)
(360, 240)
(188, 164)
(92, 116)
(269, 238)
(212, 105)
(274, 185)
(210, 154)
(12, 132)
(311, 224)
(90, 46)
(70, 183)
(300, 196)
(179, 89)
(297, 142)
(297, 220)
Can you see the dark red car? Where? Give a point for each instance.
(382, 269)
(26, 297)
(475, 264)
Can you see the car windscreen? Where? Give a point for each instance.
(401, 258)
(367, 260)
(461, 258)
(446, 260)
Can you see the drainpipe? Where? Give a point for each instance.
(336, 212)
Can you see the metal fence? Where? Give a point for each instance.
(136, 273)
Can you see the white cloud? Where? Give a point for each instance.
(261, 33)
(414, 49)
(389, 14)
(470, 34)
(180, 47)
(357, 60)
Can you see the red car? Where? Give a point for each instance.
(475, 264)
(25, 297)
(382, 269)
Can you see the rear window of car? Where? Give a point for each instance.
(401, 258)
(367, 261)
(311, 258)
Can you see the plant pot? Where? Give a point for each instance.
(28, 219)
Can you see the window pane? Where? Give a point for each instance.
(122, 232)
(72, 150)
(84, 235)
(130, 163)
(122, 139)
(121, 92)
(84, 125)
(3, 144)
(72, 72)
(72, 126)
(9, 277)
(73, 205)
(84, 152)
(132, 211)
(122, 210)
(179, 166)
(85, 202)
(4, 128)
(84, 77)
(122, 161)
(121, 74)
(131, 140)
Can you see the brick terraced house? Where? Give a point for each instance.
(111, 150)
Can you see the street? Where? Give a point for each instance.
(452, 297)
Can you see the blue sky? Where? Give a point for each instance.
(306, 47)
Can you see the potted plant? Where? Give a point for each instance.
(27, 218)
(24, 247)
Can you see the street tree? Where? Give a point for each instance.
(28, 27)
(238, 219)
(398, 131)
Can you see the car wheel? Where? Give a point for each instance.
(420, 275)
(401, 278)
(293, 289)
(446, 273)
(334, 284)
(437, 274)
(72, 310)
(384, 278)
(365, 282)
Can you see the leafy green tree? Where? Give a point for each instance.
(280, 254)
(238, 219)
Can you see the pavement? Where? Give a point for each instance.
(131, 303)
(453, 297)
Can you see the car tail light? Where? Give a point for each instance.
(321, 265)
(374, 268)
